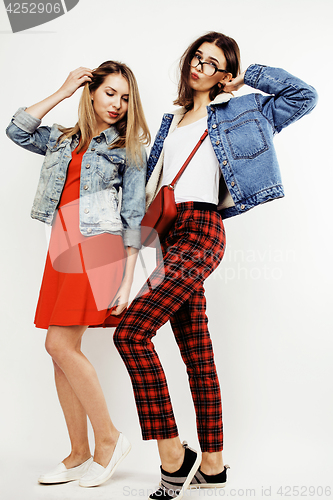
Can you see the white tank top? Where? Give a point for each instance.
(200, 181)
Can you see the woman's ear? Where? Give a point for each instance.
(226, 77)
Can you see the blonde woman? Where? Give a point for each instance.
(93, 245)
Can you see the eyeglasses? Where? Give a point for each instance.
(208, 68)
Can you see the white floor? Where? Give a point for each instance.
(256, 473)
(277, 421)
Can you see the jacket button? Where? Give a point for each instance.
(88, 166)
(86, 187)
(92, 149)
(86, 210)
(232, 184)
(225, 162)
(214, 126)
(98, 140)
(242, 207)
(89, 230)
(217, 143)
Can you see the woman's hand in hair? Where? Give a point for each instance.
(234, 84)
(75, 80)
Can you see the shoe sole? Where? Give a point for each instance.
(206, 485)
(98, 483)
(190, 476)
(58, 482)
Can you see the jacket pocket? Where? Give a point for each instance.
(246, 140)
(54, 153)
(108, 166)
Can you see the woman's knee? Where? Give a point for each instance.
(53, 346)
(125, 336)
(60, 341)
(120, 338)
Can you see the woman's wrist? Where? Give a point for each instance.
(235, 84)
(61, 94)
(127, 280)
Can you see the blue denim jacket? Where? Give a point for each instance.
(103, 172)
(241, 131)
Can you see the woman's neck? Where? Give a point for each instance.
(199, 110)
(200, 101)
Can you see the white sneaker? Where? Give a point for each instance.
(62, 475)
(97, 474)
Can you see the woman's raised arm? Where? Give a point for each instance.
(75, 79)
(290, 98)
(24, 128)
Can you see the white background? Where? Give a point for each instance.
(269, 302)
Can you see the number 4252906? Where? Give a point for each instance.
(33, 8)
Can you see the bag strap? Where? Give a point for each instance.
(202, 138)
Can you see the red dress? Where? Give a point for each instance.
(82, 273)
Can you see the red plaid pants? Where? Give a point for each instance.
(191, 251)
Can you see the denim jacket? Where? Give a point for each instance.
(103, 172)
(241, 131)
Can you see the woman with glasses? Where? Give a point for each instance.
(234, 170)
(93, 246)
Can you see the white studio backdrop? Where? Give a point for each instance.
(269, 302)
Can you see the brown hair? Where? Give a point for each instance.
(231, 53)
(133, 129)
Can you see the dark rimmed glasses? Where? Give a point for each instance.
(208, 68)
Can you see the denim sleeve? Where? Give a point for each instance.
(133, 202)
(24, 130)
(291, 97)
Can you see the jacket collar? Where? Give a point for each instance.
(219, 99)
(110, 134)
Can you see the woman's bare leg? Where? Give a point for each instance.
(63, 344)
(211, 462)
(76, 420)
(171, 453)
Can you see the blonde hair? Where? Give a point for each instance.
(133, 129)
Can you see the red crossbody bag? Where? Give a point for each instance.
(162, 212)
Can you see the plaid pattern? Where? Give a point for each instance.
(191, 252)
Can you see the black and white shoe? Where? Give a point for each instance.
(202, 480)
(174, 484)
